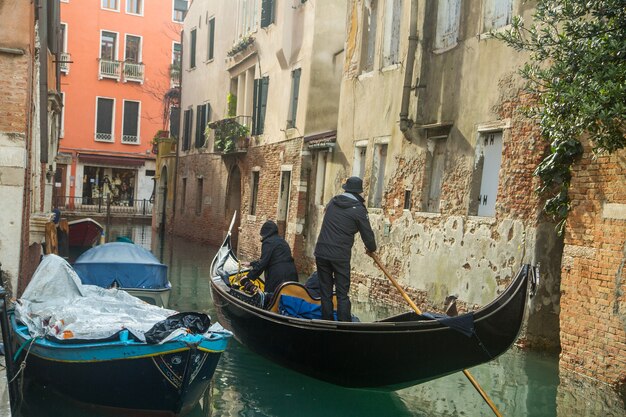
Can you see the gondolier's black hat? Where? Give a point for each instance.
(353, 185)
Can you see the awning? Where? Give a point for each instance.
(323, 140)
(111, 160)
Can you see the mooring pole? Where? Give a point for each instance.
(8, 346)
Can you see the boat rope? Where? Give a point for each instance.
(23, 364)
(480, 343)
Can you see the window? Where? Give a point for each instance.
(247, 17)
(132, 53)
(180, 10)
(183, 195)
(63, 36)
(358, 166)
(435, 164)
(104, 119)
(199, 187)
(108, 46)
(211, 40)
(368, 44)
(192, 50)
(134, 6)
(110, 4)
(176, 64)
(283, 201)
(255, 192)
(391, 44)
(175, 122)
(130, 122)
(377, 183)
(293, 106)
(203, 114)
(260, 104)
(187, 124)
(497, 13)
(489, 152)
(62, 134)
(407, 200)
(267, 13)
(448, 18)
(320, 177)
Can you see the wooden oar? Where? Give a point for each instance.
(418, 311)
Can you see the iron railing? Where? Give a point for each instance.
(99, 205)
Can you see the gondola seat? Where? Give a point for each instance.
(295, 289)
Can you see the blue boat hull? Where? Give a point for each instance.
(171, 377)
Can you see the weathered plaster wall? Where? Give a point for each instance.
(471, 87)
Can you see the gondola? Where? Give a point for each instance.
(389, 354)
(98, 345)
(84, 233)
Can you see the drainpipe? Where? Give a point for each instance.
(406, 123)
(43, 80)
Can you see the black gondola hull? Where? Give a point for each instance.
(390, 354)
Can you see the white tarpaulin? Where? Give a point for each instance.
(57, 304)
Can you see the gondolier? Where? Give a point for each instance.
(276, 260)
(345, 215)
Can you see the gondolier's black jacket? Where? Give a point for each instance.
(276, 259)
(345, 215)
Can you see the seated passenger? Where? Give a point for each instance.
(276, 261)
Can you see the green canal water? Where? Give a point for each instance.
(520, 383)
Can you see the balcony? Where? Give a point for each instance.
(231, 135)
(109, 69)
(133, 72)
(130, 139)
(64, 64)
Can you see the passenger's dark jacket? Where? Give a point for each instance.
(345, 215)
(276, 259)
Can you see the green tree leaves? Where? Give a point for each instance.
(577, 70)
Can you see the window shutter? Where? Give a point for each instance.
(255, 107)
(105, 115)
(131, 117)
(265, 81)
(211, 39)
(295, 92)
(175, 122)
(267, 13)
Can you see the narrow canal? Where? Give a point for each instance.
(520, 383)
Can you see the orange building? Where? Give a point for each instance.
(120, 58)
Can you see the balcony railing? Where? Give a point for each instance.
(133, 72)
(64, 65)
(104, 137)
(110, 69)
(132, 139)
(175, 78)
(99, 205)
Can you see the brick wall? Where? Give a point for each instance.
(269, 159)
(593, 283)
(14, 73)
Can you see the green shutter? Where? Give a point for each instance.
(265, 81)
(267, 13)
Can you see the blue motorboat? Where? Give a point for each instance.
(127, 266)
(107, 348)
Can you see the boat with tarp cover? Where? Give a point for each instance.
(108, 348)
(389, 354)
(126, 266)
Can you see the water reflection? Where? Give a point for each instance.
(520, 383)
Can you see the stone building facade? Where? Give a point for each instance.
(274, 68)
(428, 118)
(30, 116)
